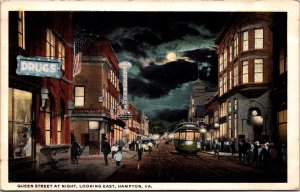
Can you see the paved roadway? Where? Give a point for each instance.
(164, 164)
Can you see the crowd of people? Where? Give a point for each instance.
(260, 155)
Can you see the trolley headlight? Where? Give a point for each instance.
(189, 142)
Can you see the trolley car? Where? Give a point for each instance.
(187, 138)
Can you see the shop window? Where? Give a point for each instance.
(19, 123)
(61, 54)
(245, 41)
(79, 96)
(245, 72)
(48, 125)
(236, 76)
(282, 61)
(258, 70)
(235, 125)
(50, 43)
(21, 29)
(259, 39)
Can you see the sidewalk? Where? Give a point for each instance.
(223, 154)
(91, 168)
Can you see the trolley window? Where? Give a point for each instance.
(190, 135)
(182, 135)
(176, 136)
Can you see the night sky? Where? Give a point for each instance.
(165, 49)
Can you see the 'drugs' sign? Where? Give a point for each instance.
(39, 66)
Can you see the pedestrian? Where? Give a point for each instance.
(75, 151)
(105, 150)
(150, 145)
(266, 156)
(140, 150)
(114, 150)
(250, 154)
(255, 160)
(118, 157)
(240, 150)
(217, 149)
(232, 147)
(121, 144)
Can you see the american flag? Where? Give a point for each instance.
(78, 44)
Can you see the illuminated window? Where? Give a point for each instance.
(259, 39)
(229, 106)
(230, 53)
(225, 58)
(50, 44)
(282, 62)
(190, 136)
(223, 109)
(176, 135)
(258, 70)
(245, 41)
(19, 123)
(235, 125)
(236, 46)
(236, 76)
(282, 125)
(79, 96)
(225, 83)
(21, 29)
(221, 86)
(59, 119)
(245, 71)
(235, 104)
(229, 122)
(48, 125)
(230, 80)
(221, 62)
(61, 54)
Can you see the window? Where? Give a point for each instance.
(221, 86)
(245, 41)
(225, 58)
(245, 71)
(19, 123)
(258, 70)
(236, 46)
(50, 44)
(59, 119)
(236, 76)
(225, 83)
(223, 109)
(61, 54)
(176, 135)
(79, 96)
(282, 125)
(21, 29)
(230, 53)
(235, 125)
(48, 125)
(221, 62)
(189, 136)
(229, 122)
(235, 104)
(230, 80)
(282, 62)
(229, 106)
(259, 39)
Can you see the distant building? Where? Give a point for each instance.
(39, 122)
(97, 99)
(246, 76)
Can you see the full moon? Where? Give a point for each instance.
(171, 56)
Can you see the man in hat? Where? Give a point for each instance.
(105, 150)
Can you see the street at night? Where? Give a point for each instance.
(164, 164)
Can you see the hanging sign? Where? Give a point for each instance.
(39, 66)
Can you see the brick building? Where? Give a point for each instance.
(39, 125)
(246, 76)
(96, 98)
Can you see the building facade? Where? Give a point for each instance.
(245, 75)
(39, 123)
(96, 98)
